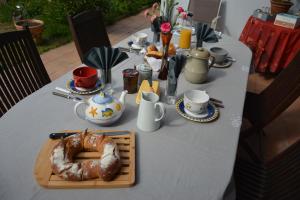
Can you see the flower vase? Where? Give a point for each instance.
(156, 34)
(106, 80)
(171, 90)
(199, 43)
(166, 38)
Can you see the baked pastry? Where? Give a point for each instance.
(172, 50)
(151, 47)
(62, 157)
(154, 54)
(152, 51)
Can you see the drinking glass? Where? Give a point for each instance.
(185, 38)
(106, 80)
(171, 91)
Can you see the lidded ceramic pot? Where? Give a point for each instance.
(102, 108)
(197, 65)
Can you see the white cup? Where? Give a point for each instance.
(196, 101)
(140, 39)
(219, 54)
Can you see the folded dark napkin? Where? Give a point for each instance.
(176, 64)
(205, 34)
(103, 57)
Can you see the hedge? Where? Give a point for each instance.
(54, 12)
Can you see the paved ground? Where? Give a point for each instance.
(279, 135)
(61, 60)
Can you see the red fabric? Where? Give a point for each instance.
(273, 46)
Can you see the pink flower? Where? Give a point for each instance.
(180, 9)
(184, 15)
(165, 27)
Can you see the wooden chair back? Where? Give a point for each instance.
(277, 97)
(204, 10)
(88, 31)
(21, 69)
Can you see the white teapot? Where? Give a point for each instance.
(102, 108)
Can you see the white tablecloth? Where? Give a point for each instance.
(181, 160)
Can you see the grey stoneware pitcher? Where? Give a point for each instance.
(197, 65)
(151, 112)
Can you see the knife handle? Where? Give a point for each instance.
(215, 100)
(54, 136)
(63, 90)
(61, 95)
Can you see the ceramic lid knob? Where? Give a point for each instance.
(102, 98)
(200, 53)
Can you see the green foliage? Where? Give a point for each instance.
(54, 13)
(6, 13)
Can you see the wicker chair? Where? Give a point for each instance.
(21, 69)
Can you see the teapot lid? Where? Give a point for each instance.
(102, 98)
(200, 53)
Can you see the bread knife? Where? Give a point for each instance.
(66, 134)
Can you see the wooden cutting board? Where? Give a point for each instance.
(126, 177)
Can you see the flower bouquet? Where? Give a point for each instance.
(169, 22)
(163, 22)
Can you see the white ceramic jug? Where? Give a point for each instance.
(151, 112)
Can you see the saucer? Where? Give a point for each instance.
(78, 90)
(136, 47)
(225, 64)
(196, 115)
(211, 115)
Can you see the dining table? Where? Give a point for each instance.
(273, 46)
(181, 160)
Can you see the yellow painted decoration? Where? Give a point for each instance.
(188, 106)
(107, 112)
(118, 107)
(93, 111)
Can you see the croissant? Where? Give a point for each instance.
(152, 51)
(155, 54)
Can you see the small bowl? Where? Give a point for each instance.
(196, 101)
(85, 77)
(219, 54)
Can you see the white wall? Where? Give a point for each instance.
(234, 13)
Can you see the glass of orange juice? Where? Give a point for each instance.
(185, 38)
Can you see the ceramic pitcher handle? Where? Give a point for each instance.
(76, 110)
(162, 111)
(212, 62)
